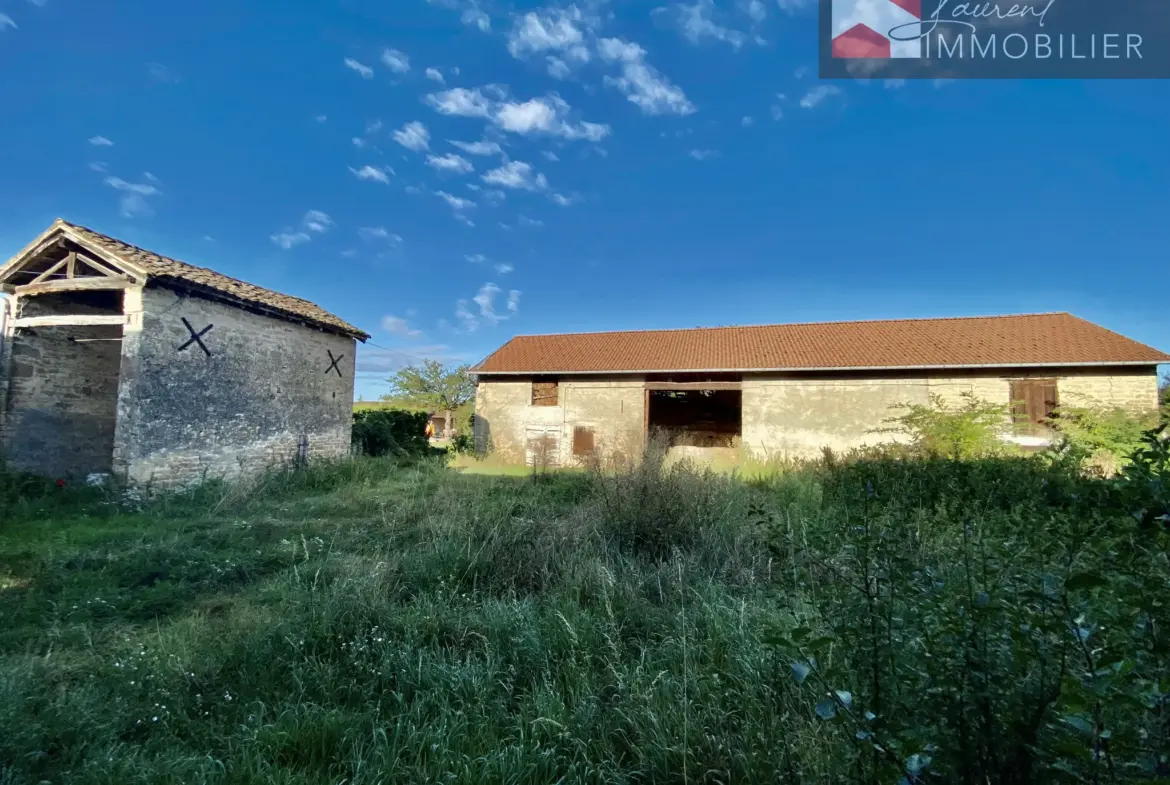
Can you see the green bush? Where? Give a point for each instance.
(969, 430)
(378, 432)
(1103, 437)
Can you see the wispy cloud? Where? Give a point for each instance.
(133, 202)
(378, 174)
(504, 268)
(476, 258)
(397, 326)
(703, 155)
(471, 13)
(455, 164)
(314, 221)
(548, 115)
(100, 141)
(456, 202)
(532, 223)
(478, 148)
(746, 121)
(396, 61)
(435, 75)
(641, 83)
(6, 22)
(361, 68)
(160, 74)
(516, 175)
(565, 201)
(550, 29)
(558, 68)
(696, 23)
(371, 233)
(818, 95)
(98, 166)
(485, 302)
(413, 136)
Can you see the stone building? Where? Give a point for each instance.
(791, 390)
(120, 361)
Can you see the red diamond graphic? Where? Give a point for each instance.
(860, 41)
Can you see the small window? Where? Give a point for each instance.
(1033, 404)
(582, 442)
(544, 393)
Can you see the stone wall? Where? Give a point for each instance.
(184, 415)
(59, 403)
(613, 409)
(793, 415)
(798, 416)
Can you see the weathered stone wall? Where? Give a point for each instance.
(59, 409)
(798, 416)
(184, 415)
(613, 408)
(783, 416)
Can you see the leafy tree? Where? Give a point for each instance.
(970, 429)
(433, 386)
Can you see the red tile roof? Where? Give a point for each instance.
(1029, 340)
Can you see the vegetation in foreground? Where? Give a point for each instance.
(867, 620)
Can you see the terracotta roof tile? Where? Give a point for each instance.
(158, 266)
(1035, 339)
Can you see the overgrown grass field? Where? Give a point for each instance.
(874, 620)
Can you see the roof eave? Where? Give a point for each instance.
(794, 369)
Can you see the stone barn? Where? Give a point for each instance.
(116, 360)
(790, 390)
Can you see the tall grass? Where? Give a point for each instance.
(372, 621)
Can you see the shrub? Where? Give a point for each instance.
(970, 430)
(378, 432)
(1103, 437)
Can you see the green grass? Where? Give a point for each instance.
(375, 621)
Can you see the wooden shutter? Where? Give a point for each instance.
(582, 441)
(544, 393)
(1033, 402)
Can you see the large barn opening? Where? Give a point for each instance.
(696, 417)
(63, 391)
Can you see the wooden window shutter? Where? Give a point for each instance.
(544, 394)
(582, 441)
(1034, 401)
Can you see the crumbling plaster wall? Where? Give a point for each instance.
(613, 408)
(184, 415)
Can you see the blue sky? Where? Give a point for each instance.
(624, 165)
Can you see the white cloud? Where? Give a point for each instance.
(400, 327)
(365, 71)
(550, 155)
(456, 202)
(396, 61)
(504, 269)
(558, 68)
(702, 155)
(755, 10)
(161, 74)
(524, 220)
(321, 118)
(473, 17)
(818, 95)
(460, 102)
(476, 258)
(478, 148)
(746, 121)
(100, 141)
(642, 84)
(317, 221)
(368, 172)
(547, 29)
(289, 239)
(564, 201)
(451, 162)
(485, 298)
(98, 166)
(6, 22)
(466, 318)
(134, 196)
(514, 301)
(413, 136)
(378, 233)
(435, 75)
(696, 23)
(545, 115)
(516, 175)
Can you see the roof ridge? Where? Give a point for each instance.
(796, 324)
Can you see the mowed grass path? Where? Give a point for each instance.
(380, 623)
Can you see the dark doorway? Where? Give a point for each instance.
(696, 418)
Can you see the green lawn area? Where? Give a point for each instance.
(377, 621)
